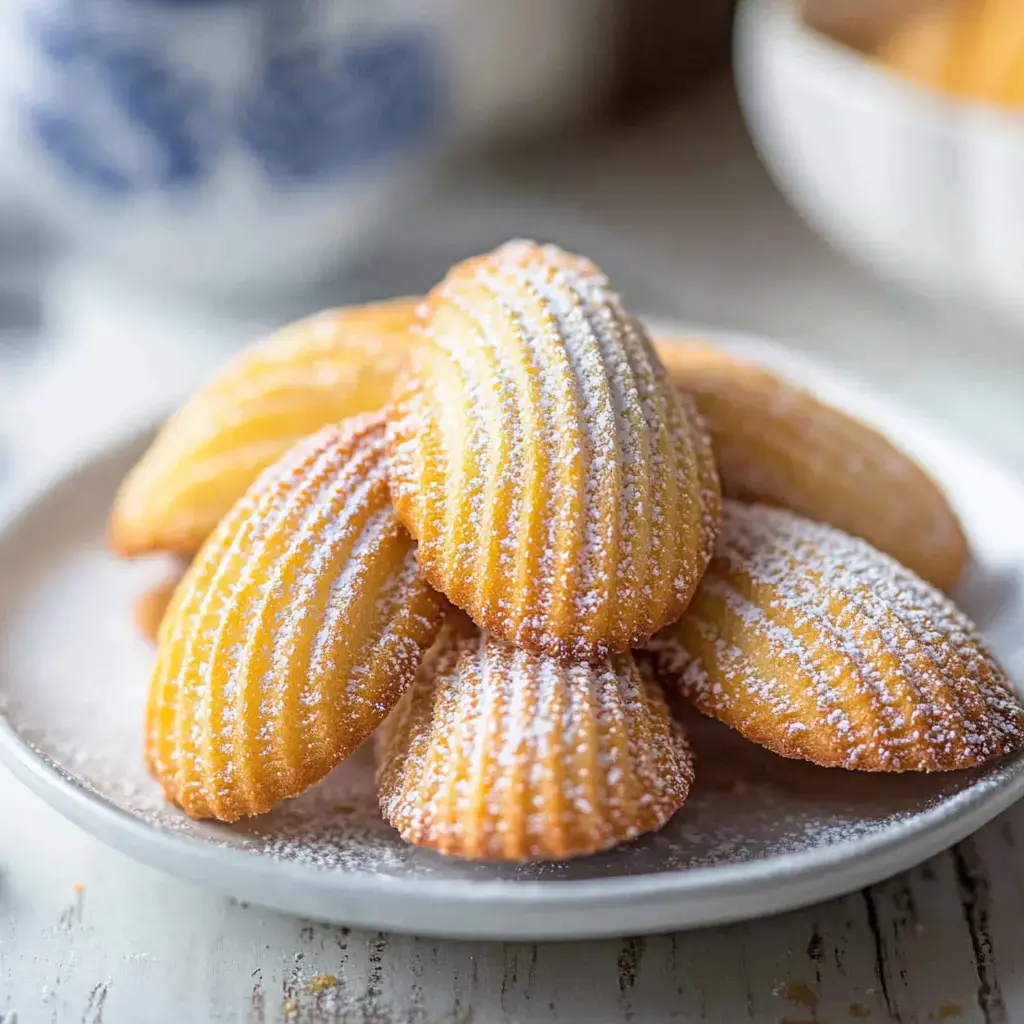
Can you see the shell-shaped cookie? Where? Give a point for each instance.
(294, 632)
(496, 753)
(318, 371)
(561, 489)
(814, 644)
(778, 444)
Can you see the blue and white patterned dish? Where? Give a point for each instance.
(225, 142)
(247, 144)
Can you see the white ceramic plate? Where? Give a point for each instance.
(758, 834)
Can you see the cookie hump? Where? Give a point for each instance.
(562, 491)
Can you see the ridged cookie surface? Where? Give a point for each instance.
(814, 644)
(293, 634)
(778, 444)
(498, 753)
(561, 489)
(318, 371)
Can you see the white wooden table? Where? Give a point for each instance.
(88, 936)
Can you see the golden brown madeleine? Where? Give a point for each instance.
(317, 371)
(561, 490)
(151, 605)
(776, 443)
(293, 634)
(814, 644)
(496, 753)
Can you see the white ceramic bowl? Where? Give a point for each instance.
(924, 189)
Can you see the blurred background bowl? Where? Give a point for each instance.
(923, 187)
(239, 147)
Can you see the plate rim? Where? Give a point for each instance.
(798, 878)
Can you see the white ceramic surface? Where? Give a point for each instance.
(925, 189)
(758, 835)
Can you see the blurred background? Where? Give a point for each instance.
(179, 176)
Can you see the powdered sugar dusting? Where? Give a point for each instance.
(561, 490)
(815, 644)
(301, 622)
(496, 753)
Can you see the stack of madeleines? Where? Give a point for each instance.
(488, 527)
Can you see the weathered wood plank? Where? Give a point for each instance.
(922, 944)
(990, 880)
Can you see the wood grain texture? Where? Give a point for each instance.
(88, 936)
